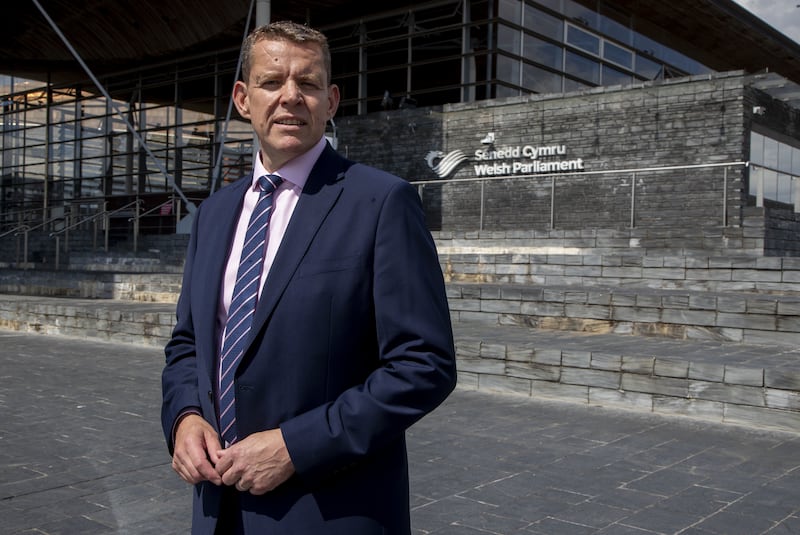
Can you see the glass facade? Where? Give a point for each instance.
(459, 51)
(775, 169)
(69, 147)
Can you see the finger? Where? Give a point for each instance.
(179, 469)
(223, 464)
(230, 472)
(193, 466)
(207, 472)
(186, 469)
(231, 477)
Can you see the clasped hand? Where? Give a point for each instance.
(256, 464)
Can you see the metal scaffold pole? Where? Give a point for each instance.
(189, 205)
(216, 175)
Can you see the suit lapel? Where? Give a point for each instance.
(319, 196)
(224, 214)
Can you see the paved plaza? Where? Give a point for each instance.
(81, 452)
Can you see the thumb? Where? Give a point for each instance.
(213, 446)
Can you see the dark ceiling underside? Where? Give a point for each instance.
(118, 35)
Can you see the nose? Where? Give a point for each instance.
(291, 92)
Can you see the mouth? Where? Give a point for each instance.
(290, 122)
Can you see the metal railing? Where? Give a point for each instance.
(634, 174)
(632, 188)
(24, 230)
(174, 205)
(104, 215)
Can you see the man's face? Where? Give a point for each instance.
(287, 99)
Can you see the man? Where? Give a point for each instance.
(350, 342)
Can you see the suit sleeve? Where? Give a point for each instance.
(416, 358)
(179, 377)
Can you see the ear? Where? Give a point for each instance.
(240, 99)
(333, 100)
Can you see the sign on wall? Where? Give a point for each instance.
(510, 160)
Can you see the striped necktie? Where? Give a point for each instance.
(243, 305)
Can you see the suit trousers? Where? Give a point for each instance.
(230, 514)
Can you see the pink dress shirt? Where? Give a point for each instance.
(294, 173)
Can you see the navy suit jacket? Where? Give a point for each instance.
(351, 344)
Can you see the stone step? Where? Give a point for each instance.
(753, 384)
(529, 265)
(746, 239)
(143, 284)
(736, 317)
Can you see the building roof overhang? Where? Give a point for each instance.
(113, 36)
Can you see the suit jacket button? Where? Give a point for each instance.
(210, 396)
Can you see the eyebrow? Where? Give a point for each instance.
(306, 77)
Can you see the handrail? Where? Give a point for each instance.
(17, 217)
(632, 172)
(15, 231)
(27, 228)
(94, 217)
(627, 170)
(151, 210)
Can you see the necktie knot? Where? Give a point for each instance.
(269, 183)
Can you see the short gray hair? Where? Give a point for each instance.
(284, 31)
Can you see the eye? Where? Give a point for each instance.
(309, 83)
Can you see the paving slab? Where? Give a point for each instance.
(81, 452)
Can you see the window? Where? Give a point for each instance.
(618, 55)
(775, 168)
(614, 29)
(508, 71)
(543, 52)
(540, 80)
(581, 14)
(582, 67)
(647, 69)
(510, 10)
(613, 76)
(544, 24)
(508, 39)
(583, 40)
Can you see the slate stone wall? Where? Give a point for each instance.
(687, 122)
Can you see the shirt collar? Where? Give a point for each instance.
(295, 170)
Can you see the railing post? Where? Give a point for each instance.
(106, 224)
(633, 200)
(136, 227)
(483, 194)
(25, 248)
(58, 250)
(552, 202)
(67, 224)
(725, 197)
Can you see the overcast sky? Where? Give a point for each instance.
(784, 15)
